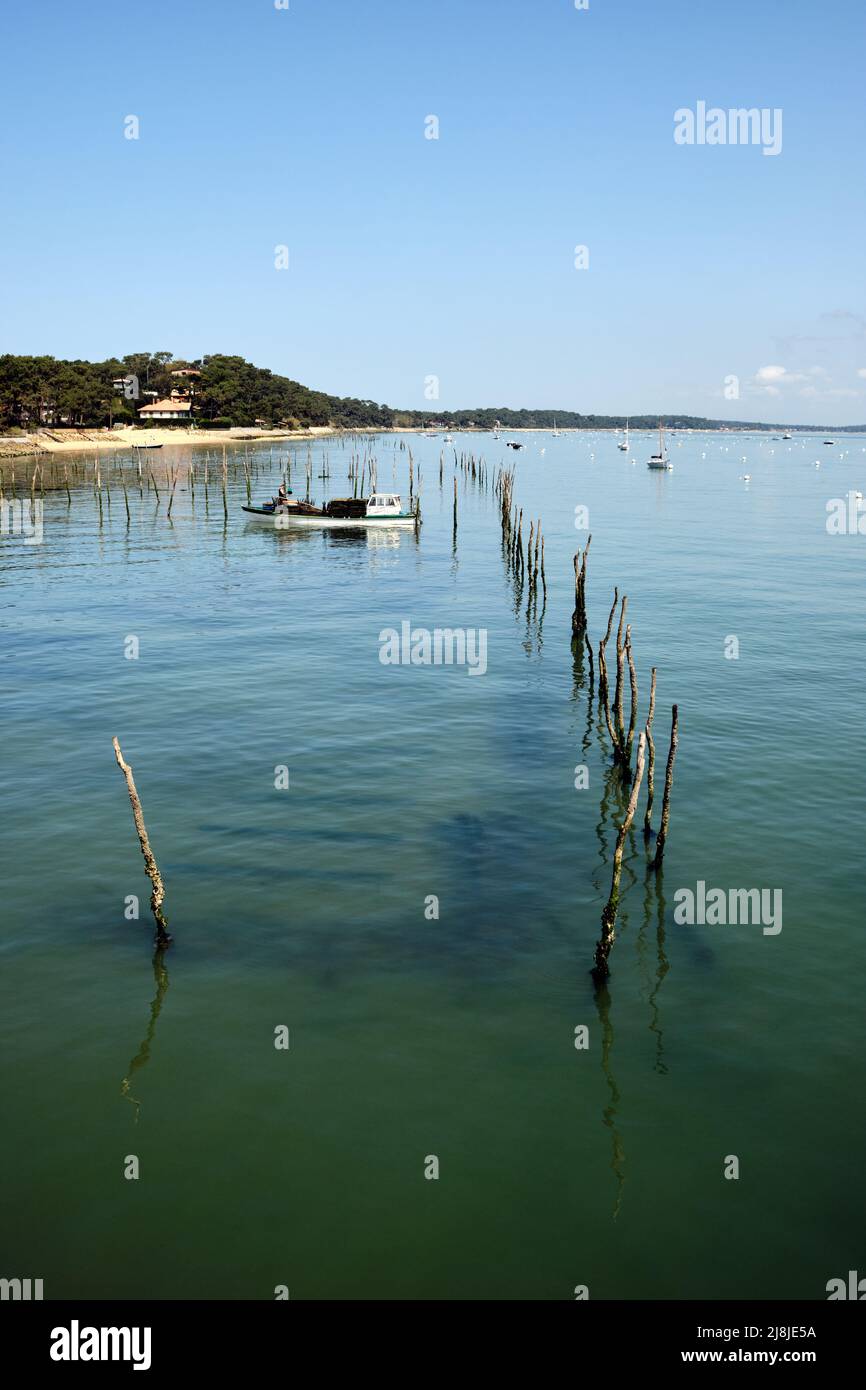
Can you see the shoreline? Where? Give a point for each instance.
(42, 443)
(124, 437)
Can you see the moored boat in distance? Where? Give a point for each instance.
(623, 445)
(512, 444)
(147, 446)
(379, 509)
(660, 460)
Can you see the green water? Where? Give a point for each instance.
(305, 907)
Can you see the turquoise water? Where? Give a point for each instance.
(305, 907)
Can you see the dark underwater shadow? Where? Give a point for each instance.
(142, 1056)
(611, 1110)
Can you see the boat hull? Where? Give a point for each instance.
(288, 520)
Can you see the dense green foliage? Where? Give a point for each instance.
(45, 391)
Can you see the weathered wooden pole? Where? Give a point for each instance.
(618, 718)
(666, 799)
(583, 579)
(578, 617)
(173, 486)
(603, 685)
(576, 625)
(601, 970)
(651, 759)
(163, 937)
(632, 676)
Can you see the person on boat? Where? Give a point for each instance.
(282, 496)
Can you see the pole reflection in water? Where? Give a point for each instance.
(655, 885)
(142, 1056)
(609, 1113)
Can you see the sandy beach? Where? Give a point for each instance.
(123, 437)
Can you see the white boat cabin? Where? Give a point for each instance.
(384, 504)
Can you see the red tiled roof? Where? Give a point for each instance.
(163, 406)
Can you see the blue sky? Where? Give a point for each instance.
(454, 258)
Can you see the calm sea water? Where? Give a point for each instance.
(305, 907)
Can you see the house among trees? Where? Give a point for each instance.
(175, 408)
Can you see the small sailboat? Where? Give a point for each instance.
(660, 460)
(555, 430)
(624, 445)
(448, 439)
(787, 436)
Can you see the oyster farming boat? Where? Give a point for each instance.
(379, 509)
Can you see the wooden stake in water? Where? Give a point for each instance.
(578, 617)
(666, 799)
(603, 684)
(601, 969)
(651, 760)
(618, 718)
(163, 937)
(632, 676)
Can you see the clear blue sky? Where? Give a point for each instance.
(412, 257)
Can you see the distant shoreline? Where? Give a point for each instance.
(47, 442)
